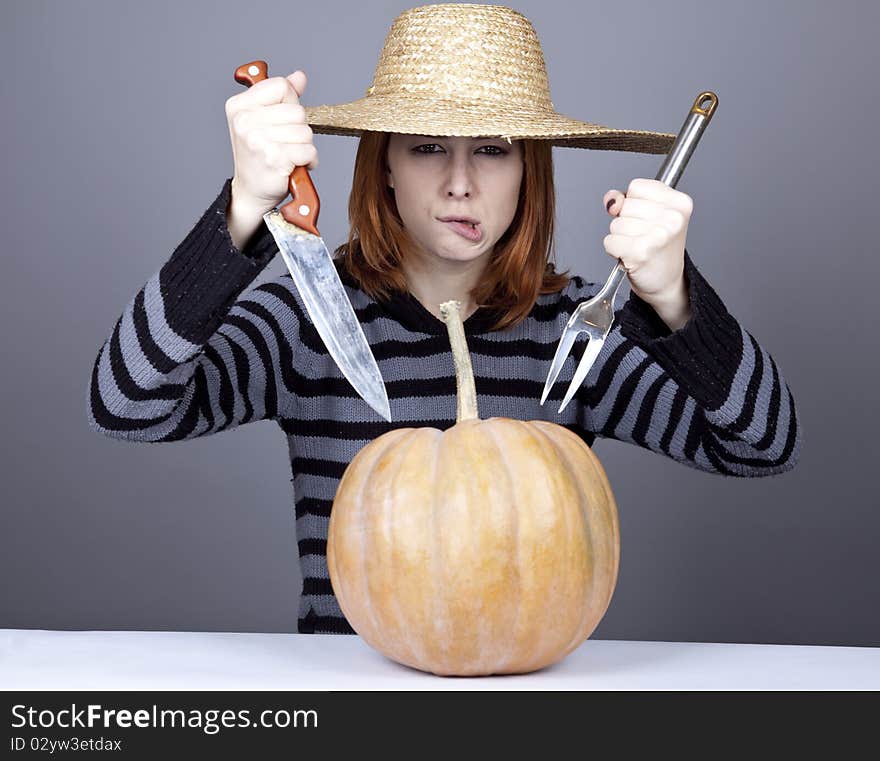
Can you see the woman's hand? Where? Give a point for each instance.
(648, 236)
(270, 137)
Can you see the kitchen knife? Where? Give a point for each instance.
(294, 227)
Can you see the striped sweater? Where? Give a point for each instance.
(193, 354)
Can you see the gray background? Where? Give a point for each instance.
(115, 140)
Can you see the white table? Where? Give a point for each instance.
(38, 659)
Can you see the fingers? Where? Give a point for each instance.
(630, 226)
(648, 212)
(613, 202)
(282, 154)
(293, 141)
(650, 199)
(635, 251)
(298, 81)
(278, 113)
(299, 154)
(283, 133)
(617, 247)
(268, 92)
(660, 193)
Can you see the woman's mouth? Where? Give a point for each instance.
(472, 232)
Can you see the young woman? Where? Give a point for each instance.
(454, 127)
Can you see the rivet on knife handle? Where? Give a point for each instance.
(303, 209)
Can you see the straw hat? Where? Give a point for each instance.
(469, 70)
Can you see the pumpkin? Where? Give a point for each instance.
(488, 548)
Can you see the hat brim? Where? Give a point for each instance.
(421, 116)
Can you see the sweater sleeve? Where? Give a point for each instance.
(707, 394)
(190, 355)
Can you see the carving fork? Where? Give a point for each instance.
(596, 315)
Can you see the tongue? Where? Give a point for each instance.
(464, 229)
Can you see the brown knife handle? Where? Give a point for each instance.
(303, 209)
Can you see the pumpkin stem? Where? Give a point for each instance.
(450, 311)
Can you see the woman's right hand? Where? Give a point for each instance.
(270, 137)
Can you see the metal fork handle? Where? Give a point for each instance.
(672, 168)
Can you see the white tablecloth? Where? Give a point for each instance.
(37, 659)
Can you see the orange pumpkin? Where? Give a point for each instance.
(488, 548)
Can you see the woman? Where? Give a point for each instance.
(193, 355)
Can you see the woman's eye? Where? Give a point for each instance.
(494, 150)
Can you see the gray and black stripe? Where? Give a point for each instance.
(195, 353)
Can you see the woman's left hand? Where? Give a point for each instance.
(648, 237)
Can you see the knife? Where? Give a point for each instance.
(294, 227)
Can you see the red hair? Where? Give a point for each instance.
(521, 266)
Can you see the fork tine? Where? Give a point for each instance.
(562, 350)
(594, 346)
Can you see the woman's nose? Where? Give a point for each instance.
(460, 180)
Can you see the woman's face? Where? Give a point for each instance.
(435, 178)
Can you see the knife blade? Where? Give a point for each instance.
(294, 227)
